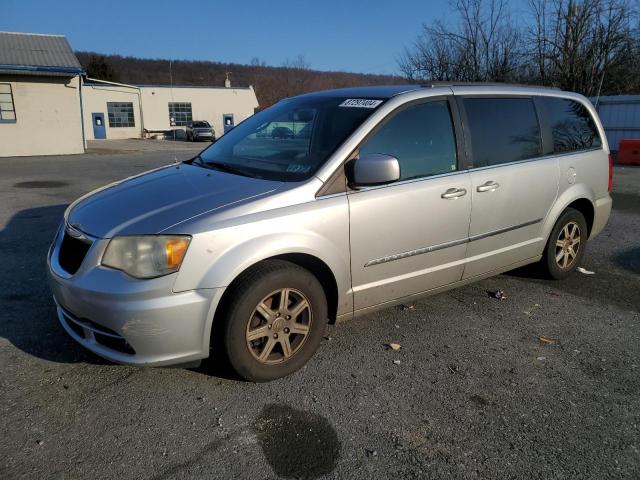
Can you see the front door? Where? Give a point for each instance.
(99, 131)
(410, 236)
(512, 185)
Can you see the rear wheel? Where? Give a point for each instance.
(274, 321)
(566, 244)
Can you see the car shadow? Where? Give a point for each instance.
(28, 316)
(629, 260)
(596, 287)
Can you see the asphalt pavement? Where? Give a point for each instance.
(474, 391)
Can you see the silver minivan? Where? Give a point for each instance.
(378, 195)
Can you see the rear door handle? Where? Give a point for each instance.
(490, 186)
(453, 193)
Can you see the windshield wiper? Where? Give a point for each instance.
(223, 167)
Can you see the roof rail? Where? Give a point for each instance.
(443, 83)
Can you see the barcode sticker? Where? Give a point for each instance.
(360, 103)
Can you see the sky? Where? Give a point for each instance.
(348, 35)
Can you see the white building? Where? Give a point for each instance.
(40, 104)
(49, 107)
(115, 110)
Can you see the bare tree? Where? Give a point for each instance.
(482, 46)
(588, 46)
(577, 44)
(297, 75)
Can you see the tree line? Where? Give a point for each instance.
(271, 84)
(586, 46)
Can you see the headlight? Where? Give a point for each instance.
(146, 256)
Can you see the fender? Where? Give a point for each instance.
(570, 195)
(320, 229)
(242, 256)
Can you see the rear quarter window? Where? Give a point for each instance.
(572, 127)
(502, 130)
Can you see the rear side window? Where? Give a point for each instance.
(420, 137)
(572, 126)
(502, 130)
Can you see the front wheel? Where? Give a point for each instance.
(566, 245)
(274, 321)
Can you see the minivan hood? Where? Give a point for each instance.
(154, 201)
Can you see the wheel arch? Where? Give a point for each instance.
(587, 209)
(316, 266)
(581, 198)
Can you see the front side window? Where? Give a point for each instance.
(120, 114)
(502, 130)
(7, 107)
(180, 114)
(289, 141)
(420, 137)
(572, 127)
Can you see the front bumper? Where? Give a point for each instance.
(202, 134)
(129, 321)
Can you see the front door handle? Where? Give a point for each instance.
(490, 186)
(453, 193)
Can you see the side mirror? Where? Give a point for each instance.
(373, 169)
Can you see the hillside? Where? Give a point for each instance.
(270, 83)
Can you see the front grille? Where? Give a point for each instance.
(72, 253)
(118, 344)
(103, 335)
(76, 328)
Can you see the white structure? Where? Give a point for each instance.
(115, 110)
(49, 107)
(40, 104)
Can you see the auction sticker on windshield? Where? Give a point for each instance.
(360, 103)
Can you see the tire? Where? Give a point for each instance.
(559, 260)
(263, 341)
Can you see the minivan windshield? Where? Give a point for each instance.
(289, 141)
(201, 124)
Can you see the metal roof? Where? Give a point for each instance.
(37, 53)
(620, 117)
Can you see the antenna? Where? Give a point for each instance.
(175, 153)
(599, 90)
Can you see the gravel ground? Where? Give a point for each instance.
(476, 393)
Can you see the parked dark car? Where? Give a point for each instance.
(200, 130)
(282, 132)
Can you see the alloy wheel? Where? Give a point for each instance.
(279, 326)
(568, 245)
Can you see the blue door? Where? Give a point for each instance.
(227, 121)
(99, 132)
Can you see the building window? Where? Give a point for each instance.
(120, 114)
(7, 108)
(179, 114)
